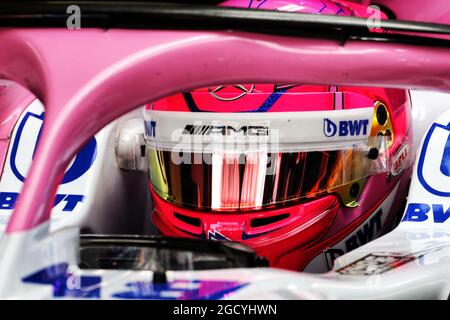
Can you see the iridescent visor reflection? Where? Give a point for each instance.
(227, 181)
(250, 161)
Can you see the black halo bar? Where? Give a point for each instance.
(195, 15)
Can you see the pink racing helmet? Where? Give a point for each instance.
(300, 173)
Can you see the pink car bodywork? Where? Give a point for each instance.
(121, 75)
(87, 78)
(14, 99)
(326, 7)
(417, 10)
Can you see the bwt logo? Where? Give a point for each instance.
(433, 169)
(345, 127)
(418, 212)
(366, 233)
(69, 201)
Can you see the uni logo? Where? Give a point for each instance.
(345, 127)
(433, 169)
(25, 143)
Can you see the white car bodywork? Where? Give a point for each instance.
(411, 262)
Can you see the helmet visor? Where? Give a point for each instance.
(228, 172)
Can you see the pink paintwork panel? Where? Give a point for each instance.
(86, 78)
(436, 11)
(296, 98)
(323, 7)
(13, 101)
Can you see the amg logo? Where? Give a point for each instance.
(225, 130)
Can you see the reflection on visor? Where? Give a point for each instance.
(225, 181)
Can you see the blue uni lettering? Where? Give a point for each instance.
(65, 284)
(179, 290)
(418, 212)
(8, 200)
